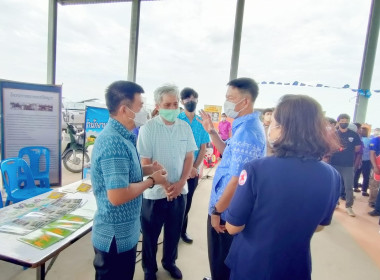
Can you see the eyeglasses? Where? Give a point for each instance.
(186, 100)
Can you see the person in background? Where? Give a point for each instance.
(154, 113)
(331, 128)
(332, 123)
(375, 132)
(224, 128)
(170, 141)
(344, 159)
(189, 99)
(267, 116)
(117, 181)
(373, 190)
(365, 165)
(282, 200)
(374, 147)
(247, 143)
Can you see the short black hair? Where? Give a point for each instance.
(247, 85)
(267, 110)
(188, 92)
(121, 91)
(343, 116)
(331, 120)
(358, 125)
(303, 129)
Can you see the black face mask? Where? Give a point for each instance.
(343, 125)
(190, 106)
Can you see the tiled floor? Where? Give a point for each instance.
(349, 249)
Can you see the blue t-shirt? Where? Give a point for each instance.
(247, 143)
(375, 145)
(200, 134)
(281, 201)
(114, 165)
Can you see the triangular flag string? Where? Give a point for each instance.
(364, 92)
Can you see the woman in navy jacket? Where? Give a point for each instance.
(283, 199)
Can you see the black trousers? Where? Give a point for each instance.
(113, 265)
(218, 247)
(192, 184)
(365, 170)
(154, 215)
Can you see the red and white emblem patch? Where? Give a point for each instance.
(242, 177)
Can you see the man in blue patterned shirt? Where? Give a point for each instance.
(247, 143)
(189, 99)
(117, 182)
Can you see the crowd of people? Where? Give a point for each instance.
(284, 168)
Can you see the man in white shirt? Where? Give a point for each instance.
(170, 141)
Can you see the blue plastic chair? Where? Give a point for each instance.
(38, 158)
(1, 201)
(18, 181)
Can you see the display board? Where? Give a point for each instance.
(96, 120)
(31, 116)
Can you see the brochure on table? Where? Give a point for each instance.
(55, 231)
(44, 221)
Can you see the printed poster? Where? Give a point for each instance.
(96, 120)
(31, 116)
(214, 111)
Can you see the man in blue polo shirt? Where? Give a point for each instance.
(247, 143)
(374, 147)
(116, 179)
(189, 99)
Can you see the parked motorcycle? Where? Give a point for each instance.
(74, 153)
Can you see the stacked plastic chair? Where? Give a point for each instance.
(18, 181)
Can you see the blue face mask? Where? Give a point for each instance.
(169, 115)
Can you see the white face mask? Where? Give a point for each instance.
(267, 118)
(271, 142)
(229, 109)
(140, 118)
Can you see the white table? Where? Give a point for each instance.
(17, 252)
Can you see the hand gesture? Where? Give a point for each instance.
(193, 173)
(160, 177)
(156, 166)
(215, 223)
(174, 190)
(206, 121)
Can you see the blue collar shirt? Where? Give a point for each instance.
(200, 134)
(248, 142)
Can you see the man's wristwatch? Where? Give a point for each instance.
(215, 212)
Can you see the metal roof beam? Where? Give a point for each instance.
(368, 61)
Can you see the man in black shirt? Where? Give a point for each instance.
(344, 159)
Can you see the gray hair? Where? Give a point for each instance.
(165, 89)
